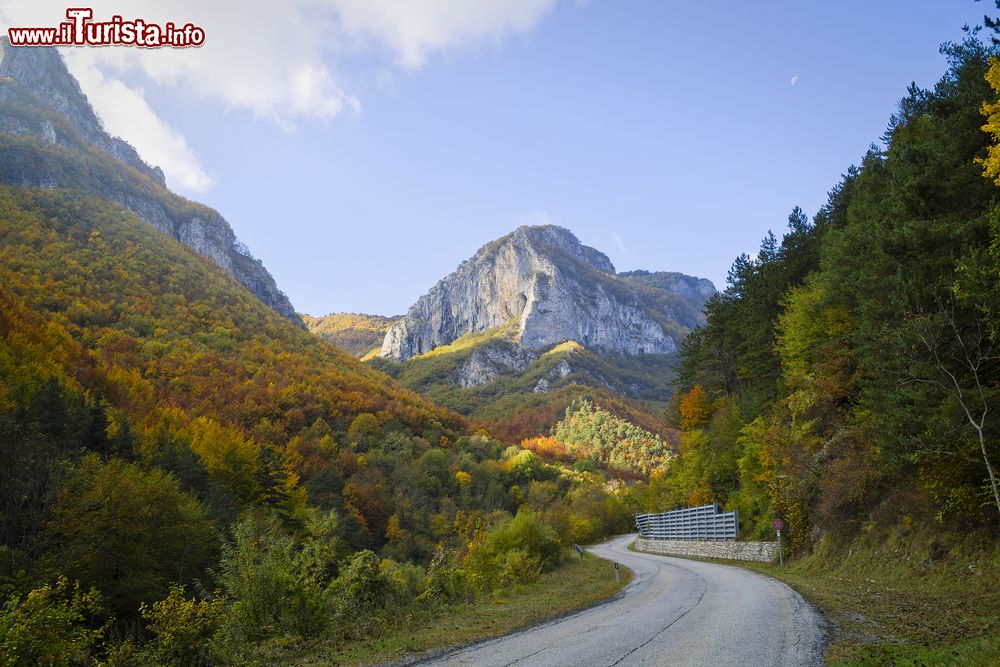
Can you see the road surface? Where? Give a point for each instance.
(674, 612)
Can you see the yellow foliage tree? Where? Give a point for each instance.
(228, 456)
(991, 110)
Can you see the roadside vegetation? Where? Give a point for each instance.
(902, 596)
(575, 585)
(847, 378)
(847, 381)
(189, 478)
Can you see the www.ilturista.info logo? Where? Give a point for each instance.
(80, 30)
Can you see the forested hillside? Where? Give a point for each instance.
(531, 397)
(160, 427)
(593, 438)
(50, 137)
(847, 377)
(355, 333)
(187, 477)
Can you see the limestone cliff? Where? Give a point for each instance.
(51, 137)
(551, 288)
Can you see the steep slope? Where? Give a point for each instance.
(160, 426)
(154, 328)
(551, 287)
(355, 333)
(50, 137)
(536, 319)
(678, 296)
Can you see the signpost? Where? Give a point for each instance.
(778, 524)
(578, 550)
(618, 577)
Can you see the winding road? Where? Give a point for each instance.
(674, 612)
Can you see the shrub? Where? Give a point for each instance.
(445, 583)
(514, 551)
(128, 531)
(529, 533)
(182, 629)
(519, 567)
(274, 584)
(361, 592)
(51, 625)
(406, 581)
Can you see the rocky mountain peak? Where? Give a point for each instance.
(561, 240)
(543, 286)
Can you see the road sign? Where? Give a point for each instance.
(578, 550)
(778, 524)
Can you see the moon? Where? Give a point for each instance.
(795, 79)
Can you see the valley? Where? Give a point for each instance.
(532, 320)
(195, 472)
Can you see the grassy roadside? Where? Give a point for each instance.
(902, 598)
(573, 586)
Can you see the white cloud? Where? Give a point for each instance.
(125, 113)
(795, 80)
(274, 59)
(416, 28)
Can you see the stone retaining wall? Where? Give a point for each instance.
(727, 549)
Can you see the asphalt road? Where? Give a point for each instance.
(674, 612)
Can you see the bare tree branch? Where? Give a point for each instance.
(972, 357)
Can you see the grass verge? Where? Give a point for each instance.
(902, 598)
(573, 586)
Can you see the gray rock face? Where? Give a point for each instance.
(678, 283)
(39, 97)
(548, 286)
(683, 297)
(488, 362)
(557, 372)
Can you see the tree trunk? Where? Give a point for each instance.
(989, 467)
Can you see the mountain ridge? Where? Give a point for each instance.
(50, 137)
(534, 320)
(554, 288)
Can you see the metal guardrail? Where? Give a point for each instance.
(690, 523)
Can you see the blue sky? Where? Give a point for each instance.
(669, 135)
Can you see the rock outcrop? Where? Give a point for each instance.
(490, 361)
(550, 288)
(40, 99)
